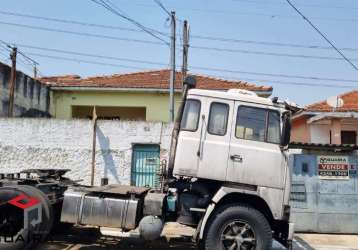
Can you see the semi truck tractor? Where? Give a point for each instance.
(227, 177)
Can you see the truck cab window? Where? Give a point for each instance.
(218, 118)
(191, 115)
(258, 124)
(273, 130)
(251, 123)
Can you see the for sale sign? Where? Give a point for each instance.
(333, 167)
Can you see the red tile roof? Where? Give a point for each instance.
(350, 104)
(157, 79)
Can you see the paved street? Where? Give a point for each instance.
(91, 239)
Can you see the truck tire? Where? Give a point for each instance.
(13, 234)
(238, 226)
(19, 238)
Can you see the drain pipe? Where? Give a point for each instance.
(189, 83)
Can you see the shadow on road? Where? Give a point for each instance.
(91, 239)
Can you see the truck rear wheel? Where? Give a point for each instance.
(238, 227)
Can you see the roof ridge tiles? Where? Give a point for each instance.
(149, 79)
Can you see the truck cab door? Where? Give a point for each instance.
(186, 160)
(255, 157)
(215, 139)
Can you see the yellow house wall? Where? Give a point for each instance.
(157, 104)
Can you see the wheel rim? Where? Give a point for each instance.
(238, 235)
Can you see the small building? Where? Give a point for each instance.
(324, 161)
(31, 97)
(134, 96)
(322, 123)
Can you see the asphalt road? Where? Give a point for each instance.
(82, 238)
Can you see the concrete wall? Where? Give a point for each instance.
(323, 205)
(156, 104)
(50, 143)
(31, 98)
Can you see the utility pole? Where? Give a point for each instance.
(35, 71)
(12, 81)
(93, 165)
(172, 67)
(184, 68)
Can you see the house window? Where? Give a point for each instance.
(349, 137)
(258, 124)
(191, 115)
(218, 117)
(110, 113)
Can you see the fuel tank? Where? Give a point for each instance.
(110, 206)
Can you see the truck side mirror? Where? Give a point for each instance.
(190, 81)
(286, 129)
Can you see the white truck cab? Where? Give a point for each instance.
(239, 140)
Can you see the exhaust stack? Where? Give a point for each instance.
(189, 83)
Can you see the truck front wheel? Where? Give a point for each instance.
(238, 226)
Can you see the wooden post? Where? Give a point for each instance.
(94, 122)
(12, 82)
(184, 68)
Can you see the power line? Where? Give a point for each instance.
(8, 47)
(159, 43)
(92, 55)
(292, 45)
(247, 79)
(271, 16)
(202, 37)
(274, 75)
(7, 58)
(84, 61)
(116, 12)
(163, 64)
(69, 21)
(322, 35)
(142, 27)
(273, 81)
(270, 53)
(82, 33)
(303, 5)
(160, 4)
(194, 67)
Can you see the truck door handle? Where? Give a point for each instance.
(236, 158)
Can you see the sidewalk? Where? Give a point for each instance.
(326, 241)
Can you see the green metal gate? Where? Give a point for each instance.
(145, 165)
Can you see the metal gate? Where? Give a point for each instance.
(320, 204)
(145, 165)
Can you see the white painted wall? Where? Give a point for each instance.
(50, 143)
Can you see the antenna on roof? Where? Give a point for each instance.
(335, 102)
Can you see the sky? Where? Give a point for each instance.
(259, 21)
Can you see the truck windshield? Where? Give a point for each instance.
(191, 114)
